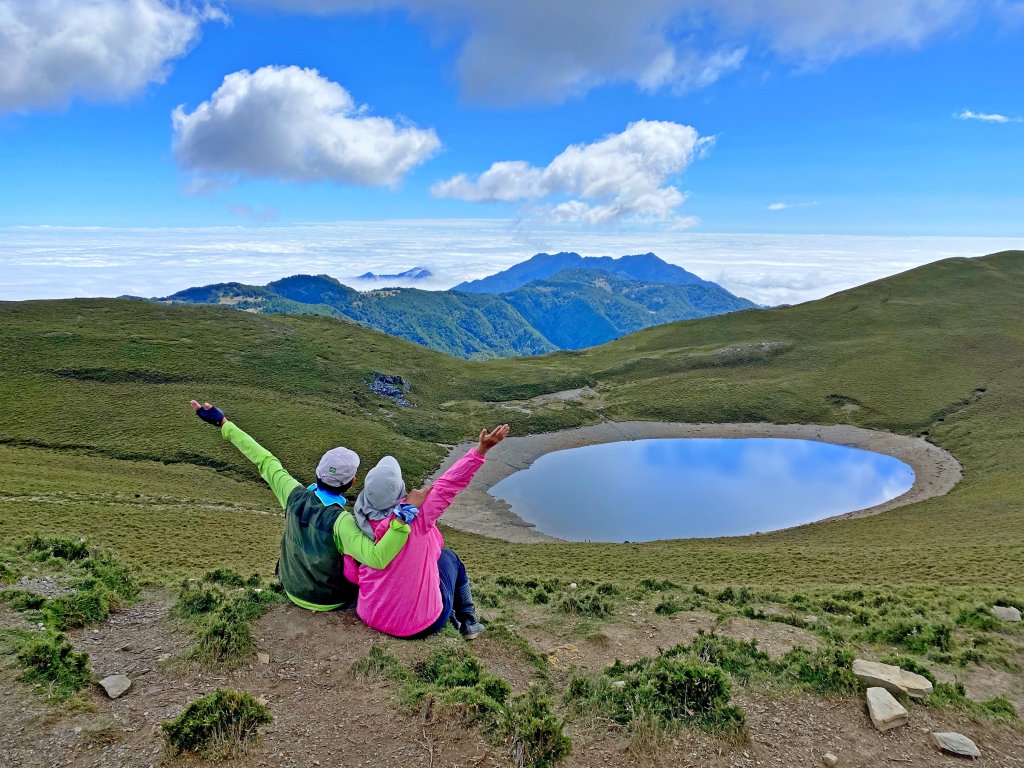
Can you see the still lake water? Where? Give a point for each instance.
(642, 490)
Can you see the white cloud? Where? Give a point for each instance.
(622, 176)
(786, 206)
(967, 114)
(294, 124)
(54, 50)
(55, 262)
(548, 50)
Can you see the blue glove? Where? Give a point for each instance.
(406, 512)
(212, 415)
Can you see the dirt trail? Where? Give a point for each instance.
(325, 716)
(936, 471)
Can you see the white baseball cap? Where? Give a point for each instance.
(337, 467)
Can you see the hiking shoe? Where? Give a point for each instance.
(471, 630)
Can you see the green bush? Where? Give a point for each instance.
(224, 642)
(40, 547)
(980, 617)
(50, 659)
(661, 693)
(828, 670)
(955, 695)
(223, 721)
(112, 575)
(20, 600)
(196, 599)
(540, 597)
(669, 607)
(534, 733)
(448, 668)
(585, 604)
(380, 662)
(78, 609)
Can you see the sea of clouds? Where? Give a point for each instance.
(63, 262)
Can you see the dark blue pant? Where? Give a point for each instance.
(453, 578)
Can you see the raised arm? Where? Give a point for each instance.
(349, 540)
(458, 476)
(280, 482)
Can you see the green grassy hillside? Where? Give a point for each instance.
(96, 438)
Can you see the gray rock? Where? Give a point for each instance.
(829, 759)
(263, 658)
(956, 744)
(893, 679)
(886, 713)
(116, 685)
(1006, 612)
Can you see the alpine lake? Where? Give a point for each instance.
(644, 490)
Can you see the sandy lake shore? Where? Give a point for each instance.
(475, 510)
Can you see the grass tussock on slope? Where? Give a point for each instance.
(93, 392)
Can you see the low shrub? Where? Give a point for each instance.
(196, 599)
(585, 604)
(661, 693)
(955, 695)
(20, 600)
(77, 609)
(533, 731)
(41, 548)
(657, 585)
(224, 721)
(51, 660)
(224, 642)
(980, 617)
(540, 597)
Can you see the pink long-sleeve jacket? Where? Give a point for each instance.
(405, 597)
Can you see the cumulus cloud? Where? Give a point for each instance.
(986, 117)
(544, 51)
(294, 124)
(622, 176)
(54, 50)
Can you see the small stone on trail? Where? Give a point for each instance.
(263, 658)
(956, 744)
(574, 586)
(263, 700)
(126, 647)
(893, 679)
(619, 684)
(829, 759)
(116, 685)
(811, 620)
(1006, 612)
(886, 713)
(163, 657)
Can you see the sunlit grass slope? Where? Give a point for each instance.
(97, 439)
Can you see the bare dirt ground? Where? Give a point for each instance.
(325, 716)
(475, 510)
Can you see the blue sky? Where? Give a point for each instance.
(861, 141)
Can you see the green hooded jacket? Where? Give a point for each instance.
(316, 536)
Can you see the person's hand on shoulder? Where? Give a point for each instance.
(211, 414)
(490, 439)
(418, 496)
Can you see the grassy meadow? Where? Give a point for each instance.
(97, 440)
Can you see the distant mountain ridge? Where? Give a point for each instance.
(646, 267)
(569, 309)
(416, 273)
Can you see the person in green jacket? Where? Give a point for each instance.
(318, 530)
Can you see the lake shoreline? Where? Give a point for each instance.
(936, 471)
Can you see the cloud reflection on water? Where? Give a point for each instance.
(678, 488)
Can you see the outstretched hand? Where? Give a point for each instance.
(209, 413)
(490, 439)
(418, 496)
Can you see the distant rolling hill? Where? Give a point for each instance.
(569, 309)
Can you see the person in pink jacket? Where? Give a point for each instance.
(426, 585)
